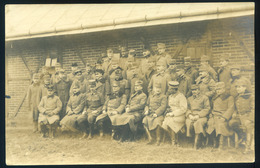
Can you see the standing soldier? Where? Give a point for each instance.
(34, 97)
(144, 63)
(235, 76)
(93, 108)
(55, 77)
(74, 109)
(133, 112)
(224, 74)
(151, 69)
(123, 58)
(222, 110)
(49, 108)
(242, 120)
(136, 75)
(162, 54)
(46, 83)
(172, 69)
(197, 114)
(88, 75)
(113, 107)
(154, 111)
(161, 76)
(44, 72)
(190, 70)
(107, 62)
(62, 88)
(71, 76)
(80, 78)
(205, 83)
(184, 81)
(100, 83)
(204, 60)
(174, 120)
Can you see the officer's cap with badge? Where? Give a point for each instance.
(99, 71)
(173, 84)
(77, 71)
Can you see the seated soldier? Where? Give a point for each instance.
(174, 120)
(184, 81)
(49, 109)
(133, 113)
(154, 110)
(92, 109)
(222, 110)
(113, 107)
(242, 120)
(197, 114)
(74, 109)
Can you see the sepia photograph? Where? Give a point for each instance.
(129, 83)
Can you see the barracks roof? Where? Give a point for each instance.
(31, 21)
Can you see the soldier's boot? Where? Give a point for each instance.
(125, 132)
(196, 141)
(150, 139)
(43, 130)
(221, 142)
(173, 137)
(158, 135)
(50, 131)
(90, 136)
(249, 139)
(35, 126)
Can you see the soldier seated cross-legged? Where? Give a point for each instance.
(49, 108)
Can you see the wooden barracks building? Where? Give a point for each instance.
(81, 33)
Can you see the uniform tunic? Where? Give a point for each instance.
(207, 86)
(101, 89)
(165, 57)
(132, 81)
(156, 104)
(49, 108)
(198, 105)
(233, 82)
(136, 105)
(71, 77)
(223, 108)
(178, 106)
(83, 86)
(184, 85)
(113, 103)
(149, 74)
(192, 73)
(124, 86)
(224, 75)
(44, 90)
(162, 78)
(62, 88)
(76, 105)
(34, 96)
(211, 72)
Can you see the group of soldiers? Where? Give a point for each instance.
(157, 93)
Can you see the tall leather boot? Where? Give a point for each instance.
(35, 126)
(221, 142)
(90, 136)
(196, 140)
(149, 136)
(158, 136)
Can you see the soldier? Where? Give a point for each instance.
(46, 83)
(80, 78)
(205, 83)
(204, 60)
(113, 107)
(123, 57)
(154, 111)
(174, 120)
(172, 69)
(88, 75)
(71, 76)
(49, 109)
(162, 55)
(222, 110)
(235, 75)
(243, 119)
(55, 77)
(100, 83)
(74, 109)
(197, 114)
(107, 62)
(92, 110)
(151, 69)
(44, 72)
(161, 76)
(144, 63)
(136, 75)
(184, 81)
(133, 113)
(224, 74)
(62, 88)
(34, 97)
(190, 70)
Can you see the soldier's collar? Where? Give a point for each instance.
(76, 94)
(50, 96)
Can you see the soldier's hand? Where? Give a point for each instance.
(196, 117)
(146, 113)
(104, 112)
(155, 115)
(191, 117)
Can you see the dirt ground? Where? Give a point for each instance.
(25, 148)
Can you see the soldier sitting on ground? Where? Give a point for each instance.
(74, 109)
(197, 114)
(174, 120)
(222, 110)
(49, 108)
(154, 111)
(242, 120)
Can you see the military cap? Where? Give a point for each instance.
(179, 67)
(77, 71)
(74, 64)
(187, 59)
(174, 84)
(220, 85)
(241, 82)
(204, 58)
(235, 67)
(132, 52)
(152, 59)
(161, 45)
(76, 85)
(158, 85)
(36, 76)
(99, 71)
(118, 71)
(162, 63)
(92, 83)
(194, 87)
(172, 61)
(139, 82)
(50, 87)
(202, 68)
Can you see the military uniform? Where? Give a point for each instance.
(197, 105)
(164, 57)
(172, 70)
(83, 83)
(190, 71)
(207, 66)
(224, 74)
